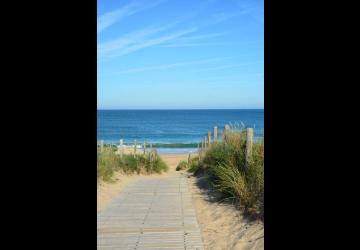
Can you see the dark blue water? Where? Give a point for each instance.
(171, 129)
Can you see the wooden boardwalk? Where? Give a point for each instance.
(155, 213)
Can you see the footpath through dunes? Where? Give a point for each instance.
(152, 213)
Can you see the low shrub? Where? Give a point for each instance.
(182, 165)
(194, 165)
(232, 176)
(108, 162)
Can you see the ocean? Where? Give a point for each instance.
(172, 131)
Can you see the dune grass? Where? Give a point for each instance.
(182, 165)
(232, 176)
(193, 165)
(109, 162)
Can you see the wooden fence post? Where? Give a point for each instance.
(249, 142)
(199, 150)
(209, 137)
(226, 130)
(202, 148)
(205, 142)
(134, 147)
(101, 145)
(144, 146)
(121, 147)
(215, 134)
(150, 152)
(189, 158)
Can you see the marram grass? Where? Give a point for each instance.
(109, 162)
(232, 176)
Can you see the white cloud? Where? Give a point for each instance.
(111, 17)
(139, 40)
(128, 39)
(255, 9)
(191, 41)
(231, 66)
(154, 36)
(151, 42)
(172, 65)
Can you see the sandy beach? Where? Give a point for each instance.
(107, 191)
(222, 226)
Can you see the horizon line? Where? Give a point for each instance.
(180, 108)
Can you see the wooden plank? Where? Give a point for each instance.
(152, 213)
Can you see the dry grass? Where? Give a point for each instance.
(232, 176)
(108, 162)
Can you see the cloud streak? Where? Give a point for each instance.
(175, 45)
(128, 39)
(111, 17)
(231, 66)
(154, 41)
(191, 41)
(168, 66)
(139, 40)
(156, 36)
(255, 9)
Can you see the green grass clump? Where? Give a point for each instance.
(194, 165)
(232, 176)
(108, 162)
(182, 165)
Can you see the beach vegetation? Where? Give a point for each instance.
(193, 164)
(182, 165)
(108, 162)
(233, 176)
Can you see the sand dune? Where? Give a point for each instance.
(222, 226)
(107, 191)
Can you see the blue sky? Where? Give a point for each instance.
(169, 54)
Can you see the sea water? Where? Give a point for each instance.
(172, 131)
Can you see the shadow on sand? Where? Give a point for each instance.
(204, 183)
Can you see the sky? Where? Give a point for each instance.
(180, 54)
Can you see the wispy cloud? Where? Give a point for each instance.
(231, 66)
(154, 41)
(163, 36)
(128, 39)
(111, 17)
(184, 43)
(190, 41)
(139, 40)
(171, 65)
(197, 37)
(255, 9)
(175, 45)
(222, 17)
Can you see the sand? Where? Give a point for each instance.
(222, 225)
(108, 191)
